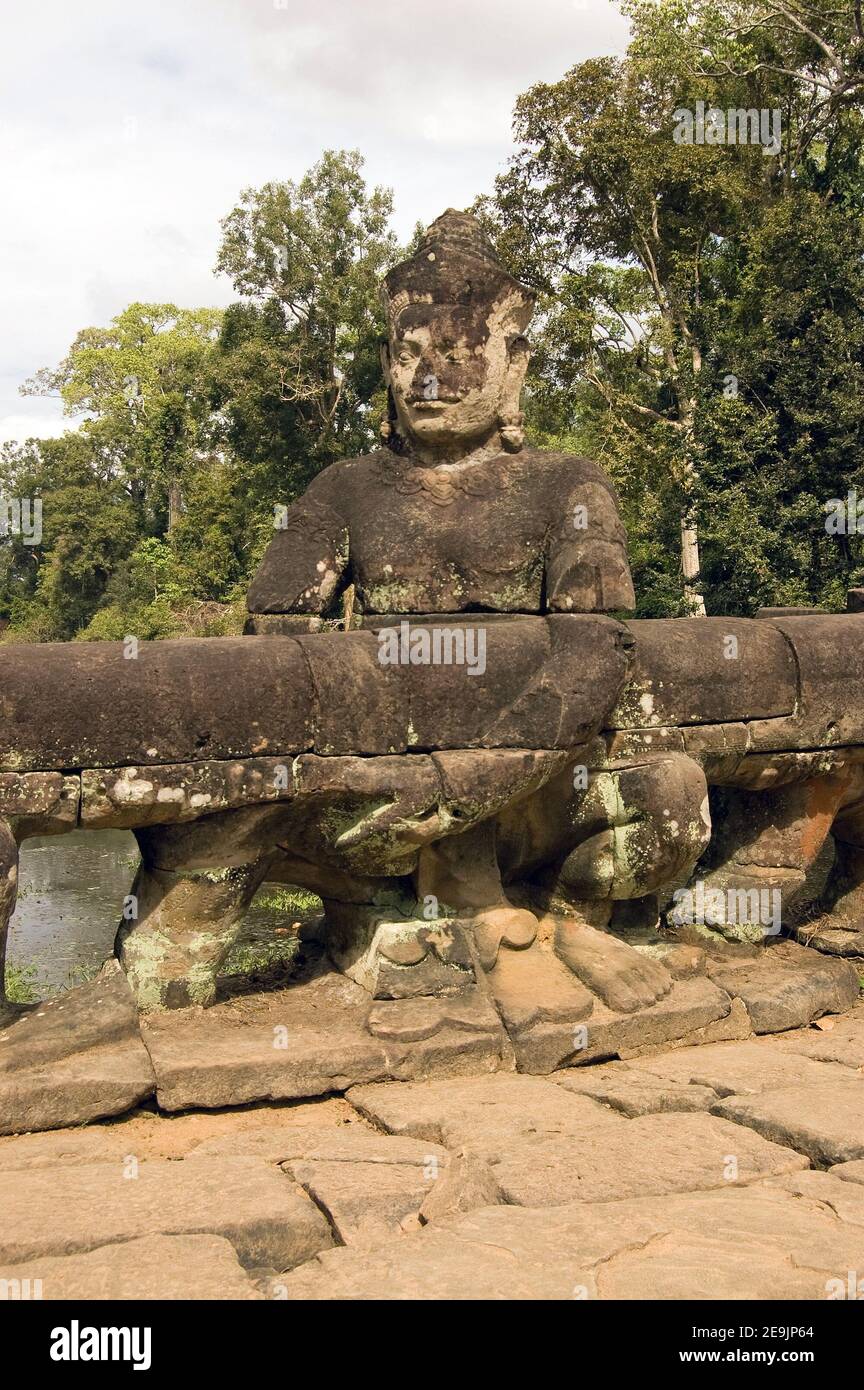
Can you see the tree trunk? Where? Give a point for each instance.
(175, 505)
(690, 564)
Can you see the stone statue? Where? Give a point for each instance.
(455, 521)
(495, 782)
(455, 515)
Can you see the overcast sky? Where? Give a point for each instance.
(128, 130)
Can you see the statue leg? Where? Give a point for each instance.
(843, 896)
(184, 913)
(460, 875)
(632, 830)
(375, 931)
(765, 841)
(8, 893)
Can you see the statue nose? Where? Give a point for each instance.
(425, 383)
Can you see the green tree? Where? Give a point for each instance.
(141, 386)
(709, 353)
(89, 526)
(194, 422)
(297, 374)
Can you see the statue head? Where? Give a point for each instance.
(456, 355)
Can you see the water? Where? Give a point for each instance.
(70, 901)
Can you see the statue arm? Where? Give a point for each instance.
(586, 560)
(305, 568)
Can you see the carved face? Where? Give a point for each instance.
(454, 371)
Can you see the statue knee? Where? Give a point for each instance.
(650, 823)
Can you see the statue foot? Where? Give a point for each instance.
(502, 926)
(393, 954)
(624, 978)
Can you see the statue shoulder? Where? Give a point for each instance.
(566, 470)
(336, 483)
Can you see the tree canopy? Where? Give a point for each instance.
(691, 216)
(702, 324)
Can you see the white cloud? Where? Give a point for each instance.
(127, 132)
(26, 426)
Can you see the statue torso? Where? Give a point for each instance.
(446, 539)
(443, 539)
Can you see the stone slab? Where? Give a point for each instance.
(824, 1122)
(60, 1147)
(40, 803)
(732, 1244)
(161, 710)
(102, 1081)
(350, 1144)
(844, 1043)
(845, 1199)
(96, 1014)
(692, 1006)
(545, 1151)
(147, 1133)
(788, 986)
(853, 1171)
(632, 1092)
(682, 674)
(688, 1153)
(466, 1183)
(138, 796)
(739, 1068)
(486, 1112)
(364, 1202)
(367, 1183)
(306, 1040)
(65, 1211)
(732, 1027)
(832, 938)
(74, 1058)
(200, 1267)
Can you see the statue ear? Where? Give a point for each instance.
(518, 357)
(385, 360)
(510, 416)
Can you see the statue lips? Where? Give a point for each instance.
(430, 402)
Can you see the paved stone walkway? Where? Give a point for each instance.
(732, 1170)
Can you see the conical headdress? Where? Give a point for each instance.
(455, 264)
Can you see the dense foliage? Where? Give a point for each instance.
(701, 333)
(197, 423)
(704, 334)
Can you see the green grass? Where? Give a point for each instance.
(288, 900)
(256, 958)
(19, 984)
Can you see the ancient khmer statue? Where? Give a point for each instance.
(443, 722)
(455, 527)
